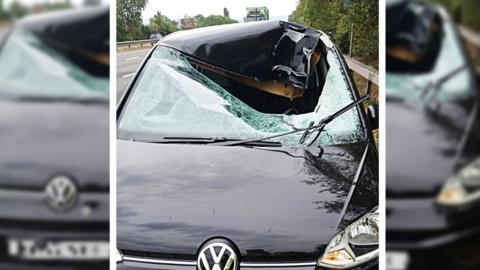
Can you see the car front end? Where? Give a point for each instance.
(198, 187)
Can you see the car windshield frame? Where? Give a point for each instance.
(362, 134)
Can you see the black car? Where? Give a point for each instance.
(245, 146)
(54, 133)
(433, 133)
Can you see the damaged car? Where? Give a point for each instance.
(432, 158)
(54, 133)
(246, 146)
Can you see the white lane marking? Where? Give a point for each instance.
(128, 75)
(132, 58)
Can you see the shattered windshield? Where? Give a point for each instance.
(30, 68)
(409, 86)
(172, 99)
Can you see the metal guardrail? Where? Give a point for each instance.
(472, 38)
(370, 74)
(470, 35)
(129, 44)
(362, 70)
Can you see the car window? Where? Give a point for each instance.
(171, 98)
(450, 58)
(30, 68)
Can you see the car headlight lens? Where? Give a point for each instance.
(355, 245)
(118, 256)
(463, 187)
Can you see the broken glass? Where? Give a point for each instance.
(409, 86)
(171, 98)
(30, 68)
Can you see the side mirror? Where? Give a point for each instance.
(372, 115)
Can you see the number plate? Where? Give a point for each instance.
(397, 260)
(29, 249)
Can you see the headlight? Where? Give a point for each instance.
(463, 187)
(355, 245)
(118, 256)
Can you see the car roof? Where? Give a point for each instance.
(250, 49)
(86, 27)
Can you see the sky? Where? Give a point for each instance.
(176, 9)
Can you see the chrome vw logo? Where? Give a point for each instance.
(61, 193)
(217, 256)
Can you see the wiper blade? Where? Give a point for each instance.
(207, 140)
(308, 130)
(427, 94)
(179, 140)
(325, 121)
(251, 143)
(152, 139)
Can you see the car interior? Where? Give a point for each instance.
(414, 41)
(273, 97)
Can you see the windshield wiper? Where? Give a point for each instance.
(426, 93)
(208, 140)
(306, 131)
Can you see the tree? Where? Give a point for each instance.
(57, 5)
(145, 32)
(214, 20)
(454, 7)
(226, 13)
(318, 14)
(363, 15)
(129, 19)
(91, 2)
(199, 19)
(18, 10)
(3, 14)
(463, 11)
(298, 14)
(470, 14)
(162, 24)
(337, 16)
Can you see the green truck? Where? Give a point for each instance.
(256, 14)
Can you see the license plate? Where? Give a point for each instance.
(397, 260)
(29, 249)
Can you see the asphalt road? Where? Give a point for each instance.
(127, 64)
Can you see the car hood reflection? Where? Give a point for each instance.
(423, 163)
(44, 139)
(172, 198)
